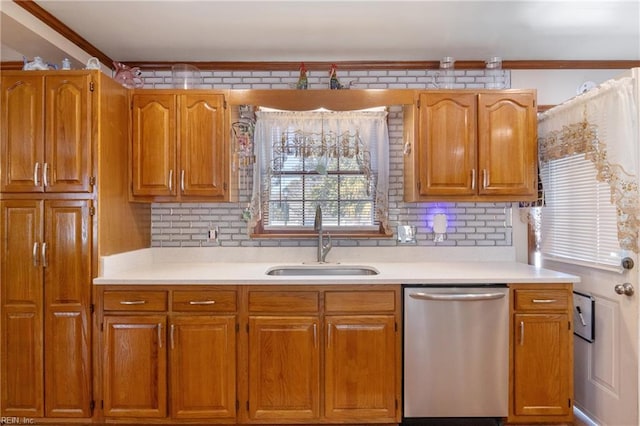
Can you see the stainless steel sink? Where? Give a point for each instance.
(293, 270)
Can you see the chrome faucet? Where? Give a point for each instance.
(323, 249)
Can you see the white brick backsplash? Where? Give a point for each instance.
(470, 224)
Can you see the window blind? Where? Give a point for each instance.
(578, 219)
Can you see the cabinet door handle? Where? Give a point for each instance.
(329, 335)
(172, 332)
(160, 335)
(315, 335)
(182, 180)
(544, 300)
(473, 179)
(202, 302)
(36, 174)
(43, 253)
(171, 180)
(45, 174)
(485, 178)
(34, 254)
(521, 333)
(133, 302)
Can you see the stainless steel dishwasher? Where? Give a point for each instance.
(456, 354)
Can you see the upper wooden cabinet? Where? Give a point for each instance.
(45, 132)
(180, 147)
(471, 146)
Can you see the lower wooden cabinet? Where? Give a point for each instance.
(174, 361)
(284, 368)
(359, 383)
(283, 354)
(300, 354)
(135, 366)
(542, 343)
(202, 358)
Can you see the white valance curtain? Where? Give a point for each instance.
(602, 124)
(361, 135)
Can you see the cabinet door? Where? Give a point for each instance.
(542, 384)
(360, 368)
(203, 162)
(447, 145)
(154, 145)
(22, 133)
(67, 294)
(135, 366)
(68, 143)
(203, 367)
(284, 368)
(21, 336)
(507, 144)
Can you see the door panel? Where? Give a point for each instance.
(203, 367)
(508, 146)
(154, 145)
(284, 368)
(67, 299)
(448, 144)
(135, 366)
(21, 332)
(22, 134)
(357, 382)
(606, 371)
(68, 134)
(202, 145)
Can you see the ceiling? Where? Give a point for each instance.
(220, 31)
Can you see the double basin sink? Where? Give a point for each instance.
(321, 270)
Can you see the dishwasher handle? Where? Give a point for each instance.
(455, 297)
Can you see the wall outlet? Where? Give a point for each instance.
(214, 235)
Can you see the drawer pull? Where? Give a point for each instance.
(202, 302)
(544, 300)
(133, 302)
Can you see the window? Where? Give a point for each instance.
(337, 160)
(578, 219)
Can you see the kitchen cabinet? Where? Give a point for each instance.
(173, 361)
(46, 132)
(542, 354)
(471, 146)
(284, 355)
(360, 347)
(180, 147)
(63, 202)
(202, 355)
(135, 366)
(355, 345)
(46, 275)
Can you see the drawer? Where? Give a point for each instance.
(284, 301)
(204, 301)
(360, 301)
(541, 300)
(135, 300)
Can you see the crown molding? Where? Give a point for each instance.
(58, 26)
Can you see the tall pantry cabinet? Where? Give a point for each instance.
(63, 203)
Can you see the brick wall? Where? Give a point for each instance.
(470, 224)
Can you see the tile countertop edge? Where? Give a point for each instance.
(432, 273)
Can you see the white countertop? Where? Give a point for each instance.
(225, 266)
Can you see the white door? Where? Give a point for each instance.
(606, 371)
